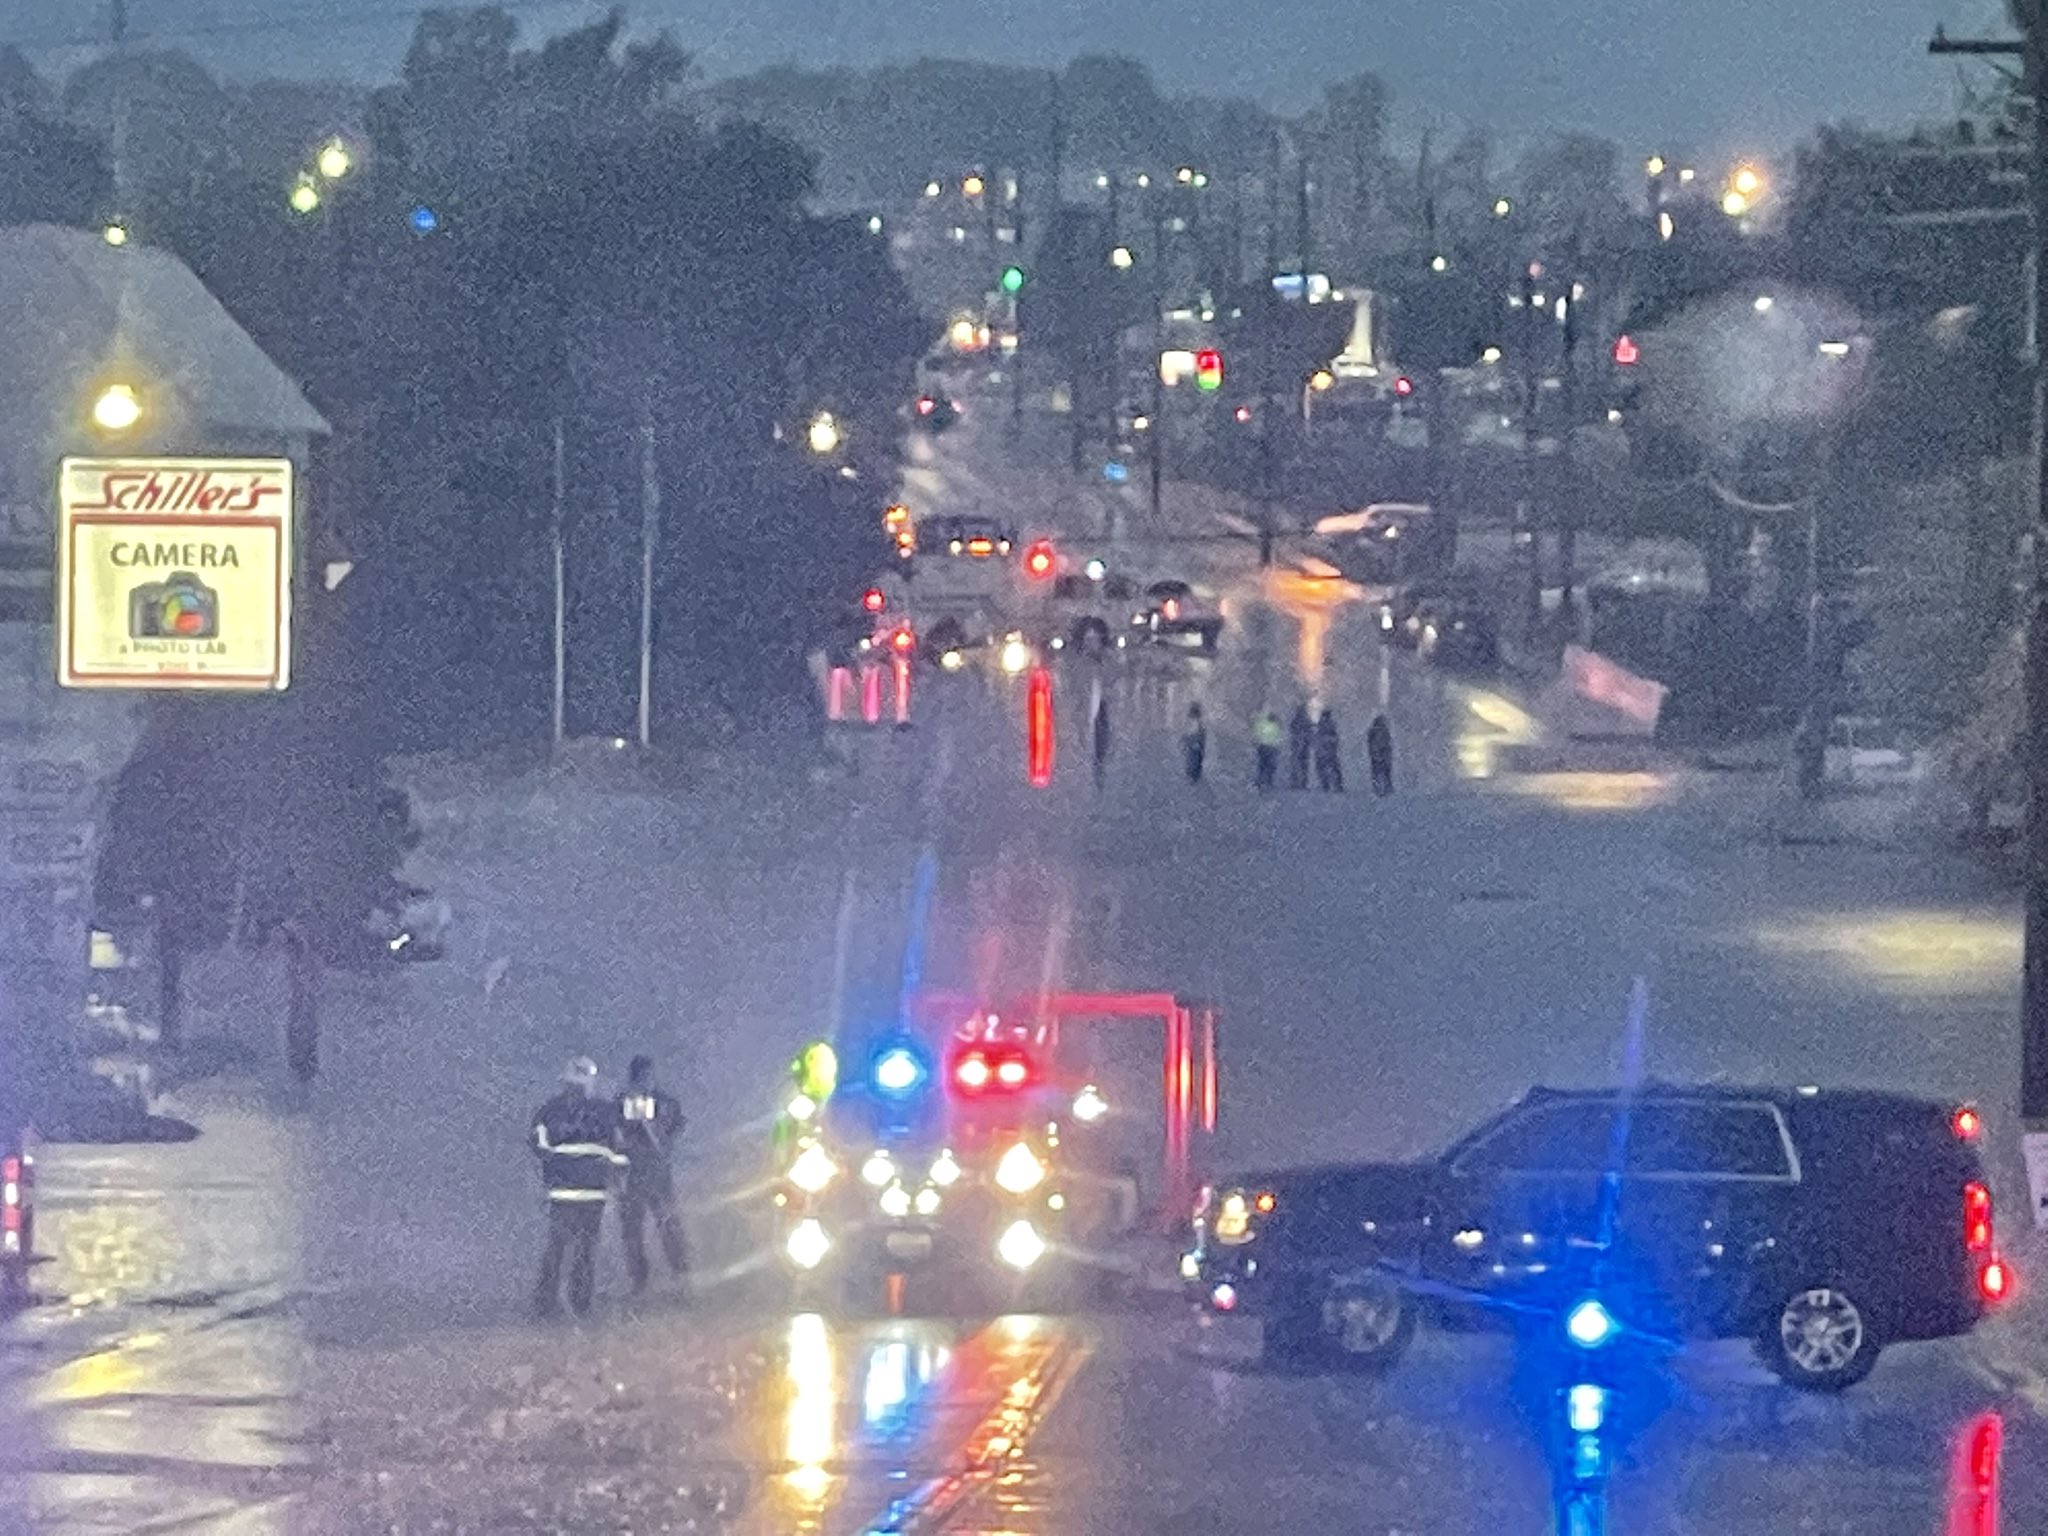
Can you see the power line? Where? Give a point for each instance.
(304, 21)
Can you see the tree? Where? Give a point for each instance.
(1569, 188)
(56, 173)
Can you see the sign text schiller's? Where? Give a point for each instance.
(174, 573)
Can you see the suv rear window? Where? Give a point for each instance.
(1707, 1141)
(1556, 1138)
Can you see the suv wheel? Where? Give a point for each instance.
(1356, 1325)
(1820, 1339)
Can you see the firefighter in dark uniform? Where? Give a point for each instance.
(576, 1136)
(650, 1121)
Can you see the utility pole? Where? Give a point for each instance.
(2032, 50)
(1273, 203)
(561, 562)
(1525, 505)
(1303, 237)
(1567, 511)
(650, 522)
(1158, 432)
(1059, 144)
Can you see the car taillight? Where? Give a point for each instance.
(1994, 1280)
(1966, 1123)
(1977, 1217)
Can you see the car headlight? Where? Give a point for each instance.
(813, 1169)
(1020, 1170)
(896, 1201)
(945, 1170)
(879, 1169)
(927, 1201)
(952, 660)
(1090, 1105)
(807, 1244)
(1020, 1246)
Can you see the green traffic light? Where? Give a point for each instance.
(1013, 279)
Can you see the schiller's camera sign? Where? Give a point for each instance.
(174, 573)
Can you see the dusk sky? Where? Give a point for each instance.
(1693, 75)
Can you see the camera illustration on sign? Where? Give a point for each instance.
(175, 573)
(180, 607)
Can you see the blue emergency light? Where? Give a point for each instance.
(1589, 1324)
(899, 1071)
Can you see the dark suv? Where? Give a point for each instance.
(1823, 1224)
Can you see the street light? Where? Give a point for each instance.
(973, 186)
(115, 234)
(334, 161)
(823, 434)
(1762, 303)
(1502, 207)
(1121, 258)
(118, 408)
(1654, 165)
(1439, 263)
(1747, 181)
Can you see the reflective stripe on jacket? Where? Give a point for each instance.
(577, 1140)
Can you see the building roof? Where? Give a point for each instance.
(74, 309)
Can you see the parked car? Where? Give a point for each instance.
(1179, 614)
(1457, 630)
(1823, 1224)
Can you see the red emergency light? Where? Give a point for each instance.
(1039, 559)
(1038, 736)
(982, 1069)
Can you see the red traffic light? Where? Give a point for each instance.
(1404, 386)
(903, 639)
(1039, 559)
(874, 600)
(1626, 351)
(1208, 369)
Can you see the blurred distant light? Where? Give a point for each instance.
(961, 334)
(1686, 173)
(1121, 258)
(1439, 263)
(1613, 416)
(1654, 165)
(1144, 180)
(1762, 303)
(1734, 204)
(334, 160)
(1747, 181)
(1185, 175)
(931, 189)
(305, 196)
(118, 407)
(1664, 224)
(1141, 423)
(1243, 414)
(424, 220)
(823, 433)
(1321, 380)
(1834, 349)
(1589, 1324)
(1586, 1407)
(1490, 355)
(973, 186)
(1502, 207)
(874, 223)
(115, 234)
(1116, 472)
(1101, 179)
(1626, 351)
(1562, 308)
(1201, 178)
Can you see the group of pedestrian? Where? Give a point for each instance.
(1310, 741)
(591, 1147)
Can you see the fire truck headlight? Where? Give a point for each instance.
(879, 1169)
(945, 1171)
(1020, 1170)
(927, 1201)
(896, 1201)
(807, 1244)
(813, 1169)
(1090, 1105)
(1020, 1246)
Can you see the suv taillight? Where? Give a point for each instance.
(1994, 1279)
(1976, 1217)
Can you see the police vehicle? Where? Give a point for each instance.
(1822, 1224)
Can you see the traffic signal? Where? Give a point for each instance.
(874, 600)
(1013, 279)
(1208, 369)
(1039, 560)
(1626, 352)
